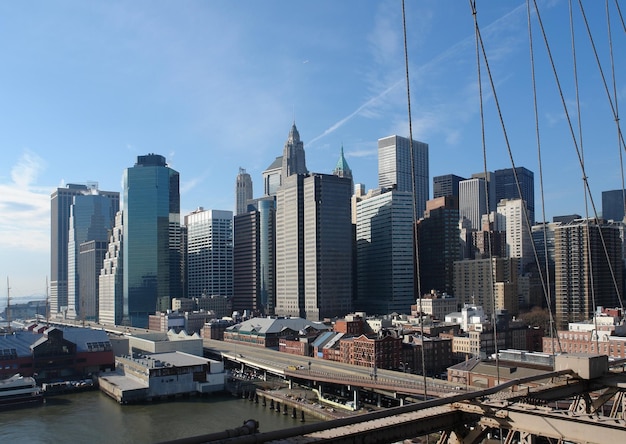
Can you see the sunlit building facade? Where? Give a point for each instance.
(209, 253)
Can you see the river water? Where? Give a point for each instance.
(92, 417)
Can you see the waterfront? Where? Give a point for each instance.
(92, 417)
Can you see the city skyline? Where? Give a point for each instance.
(213, 88)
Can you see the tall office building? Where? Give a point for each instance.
(397, 170)
(313, 239)
(243, 191)
(209, 253)
(613, 205)
(490, 185)
(510, 219)
(111, 279)
(92, 216)
(543, 239)
(385, 259)
(507, 188)
(60, 203)
(90, 260)
(271, 177)
(446, 185)
(152, 238)
(314, 247)
(328, 245)
(254, 259)
(473, 201)
(290, 247)
(586, 275)
(289, 228)
(438, 244)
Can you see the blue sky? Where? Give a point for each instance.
(86, 87)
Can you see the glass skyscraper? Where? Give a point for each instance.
(506, 187)
(395, 169)
(385, 257)
(92, 215)
(152, 236)
(254, 259)
(613, 204)
(61, 201)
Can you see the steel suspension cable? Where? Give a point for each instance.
(416, 266)
(478, 41)
(614, 109)
(582, 154)
(619, 12)
(545, 282)
(570, 126)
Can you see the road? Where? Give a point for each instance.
(319, 369)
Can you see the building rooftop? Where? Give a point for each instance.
(23, 340)
(264, 326)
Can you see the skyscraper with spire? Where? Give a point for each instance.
(243, 191)
(293, 161)
(342, 169)
(313, 239)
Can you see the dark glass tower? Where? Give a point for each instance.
(506, 187)
(613, 205)
(254, 261)
(439, 245)
(446, 185)
(152, 237)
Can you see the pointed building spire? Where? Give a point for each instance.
(342, 169)
(293, 155)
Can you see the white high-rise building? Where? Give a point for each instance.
(395, 169)
(209, 253)
(510, 218)
(111, 288)
(243, 191)
(472, 201)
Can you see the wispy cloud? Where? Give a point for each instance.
(443, 110)
(189, 184)
(369, 104)
(26, 206)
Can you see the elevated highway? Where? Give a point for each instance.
(301, 368)
(565, 408)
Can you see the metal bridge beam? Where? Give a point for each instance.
(539, 421)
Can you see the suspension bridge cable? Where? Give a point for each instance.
(614, 109)
(582, 155)
(619, 13)
(416, 265)
(545, 281)
(479, 44)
